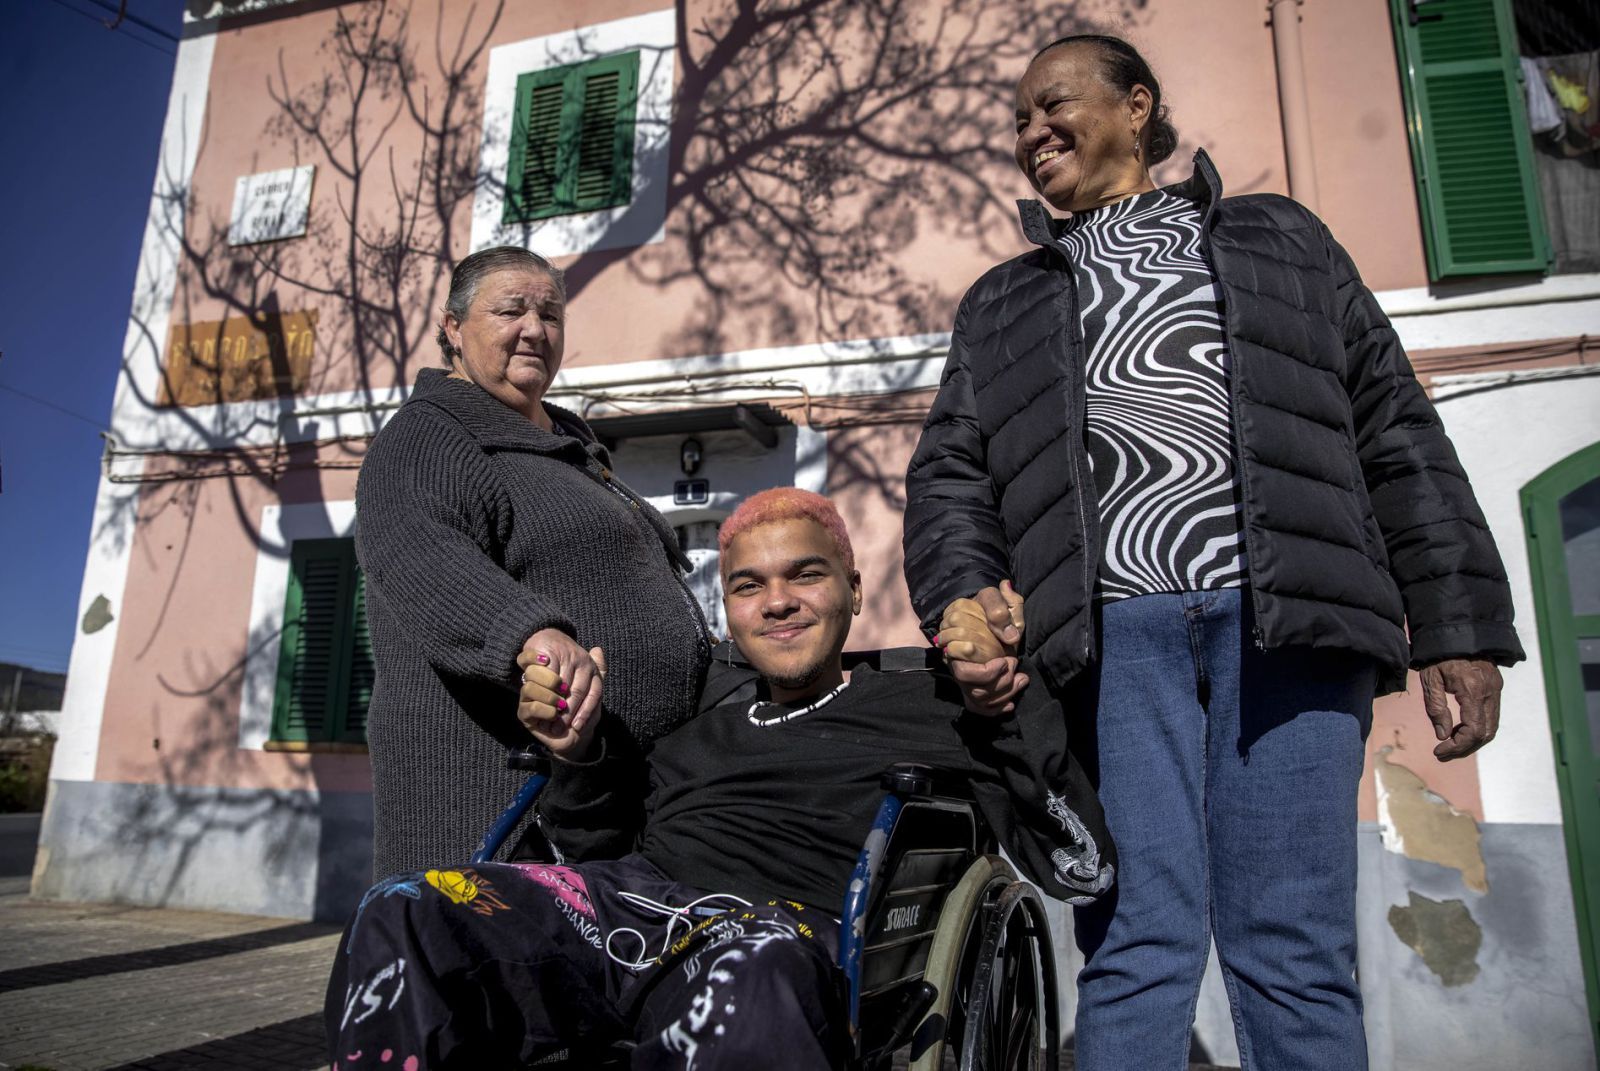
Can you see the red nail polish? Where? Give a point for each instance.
(543, 659)
(563, 687)
(561, 704)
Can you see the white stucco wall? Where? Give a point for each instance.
(1508, 428)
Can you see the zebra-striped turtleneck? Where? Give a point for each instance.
(1160, 428)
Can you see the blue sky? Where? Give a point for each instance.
(82, 112)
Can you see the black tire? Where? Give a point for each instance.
(1010, 1019)
(937, 1039)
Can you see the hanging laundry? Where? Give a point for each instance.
(1544, 114)
(1573, 82)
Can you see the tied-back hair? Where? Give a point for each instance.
(1123, 67)
(787, 504)
(470, 273)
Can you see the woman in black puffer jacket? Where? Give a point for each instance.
(1186, 432)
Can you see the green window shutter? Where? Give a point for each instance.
(535, 145)
(358, 690)
(572, 139)
(1470, 146)
(324, 659)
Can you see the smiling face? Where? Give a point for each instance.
(790, 598)
(511, 341)
(1076, 133)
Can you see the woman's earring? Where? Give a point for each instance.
(1136, 146)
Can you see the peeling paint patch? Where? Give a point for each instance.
(1418, 823)
(97, 616)
(1443, 933)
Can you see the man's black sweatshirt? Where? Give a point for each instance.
(742, 801)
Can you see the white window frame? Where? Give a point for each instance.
(642, 221)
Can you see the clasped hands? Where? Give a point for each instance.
(559, 702)
(981, 638)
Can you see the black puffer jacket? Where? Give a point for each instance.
(1358, 519)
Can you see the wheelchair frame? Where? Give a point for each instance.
(979, 972)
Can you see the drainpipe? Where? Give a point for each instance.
(1293, 102)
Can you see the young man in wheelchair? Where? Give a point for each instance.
(696, 916)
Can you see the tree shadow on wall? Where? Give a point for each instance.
(812, 143)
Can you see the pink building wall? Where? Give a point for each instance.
(172, 716)
(1228, 108)
(183, 637)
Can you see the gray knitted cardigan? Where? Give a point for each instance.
(475, 529)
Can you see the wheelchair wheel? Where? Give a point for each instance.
(1011, 1018)
(993, 974)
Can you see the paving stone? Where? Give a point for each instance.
(102, 987)
(94, 987)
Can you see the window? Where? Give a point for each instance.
(698, 541)
(325, 667)
(1470, 147)
(1558, 42)
(572, 139)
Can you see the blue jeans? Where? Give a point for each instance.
(1228, 776)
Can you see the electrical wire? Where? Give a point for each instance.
(126, 36)
(906, 406)
(34, 398)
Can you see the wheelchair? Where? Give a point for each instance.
(946, 951)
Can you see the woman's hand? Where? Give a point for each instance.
(560, 698)
(1476, 684)
(980, 638)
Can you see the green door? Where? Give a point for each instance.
(1562, 508)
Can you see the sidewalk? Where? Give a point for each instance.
(90, 986)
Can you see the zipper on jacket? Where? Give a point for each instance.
(1079, 417)
(1238, 438)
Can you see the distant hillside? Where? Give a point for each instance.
(40, 690)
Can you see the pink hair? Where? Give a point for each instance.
(787, 504)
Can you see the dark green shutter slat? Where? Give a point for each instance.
(543, 140)
(307, 666)
(314, 666)
(572, 139)
(1470, 146)
(1467, 31)
(325, 670)
(597, 158)
(358, 693)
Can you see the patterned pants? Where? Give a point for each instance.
(501, 964)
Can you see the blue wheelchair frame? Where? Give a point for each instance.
(904, 785)
(863, 879)
(1008, 911)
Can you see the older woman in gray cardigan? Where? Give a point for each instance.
(496, 541)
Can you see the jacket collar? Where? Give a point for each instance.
(499, 427)
(1203, 186)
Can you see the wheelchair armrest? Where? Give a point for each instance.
(896, 660)
(919, 780)
(532, 758)
(536, 762)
